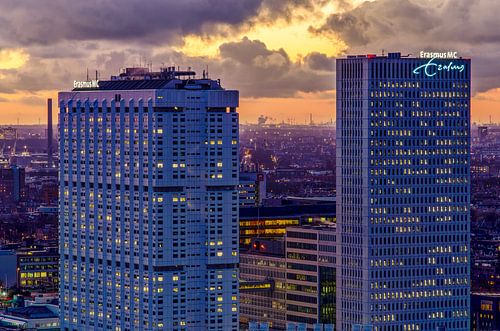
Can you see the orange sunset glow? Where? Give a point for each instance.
(279, 55)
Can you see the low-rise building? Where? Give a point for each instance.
(485, 311)
(38, 269)
(290, 283)
(262, 284)
(271, 222)
(311, 275)
(34, 317)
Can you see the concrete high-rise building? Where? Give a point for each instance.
(149, 203)
(403, 186)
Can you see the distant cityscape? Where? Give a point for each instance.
(274, 160)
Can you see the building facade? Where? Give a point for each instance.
(263, 284)
(252, 188)
(290, 283)
(12, 184)
(38, 269)
(149, 203)
(403, 192)
(271, 222)
(35, 317)
(311, 276)
(485, 311)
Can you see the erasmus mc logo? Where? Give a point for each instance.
(431, 68)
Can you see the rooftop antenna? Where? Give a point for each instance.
(383, 52)
(96, 75)
(87, 74)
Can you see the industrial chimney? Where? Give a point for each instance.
(49, 133)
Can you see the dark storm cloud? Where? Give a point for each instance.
(246, 65)
(249, 66)
(372, 21)
(64, 38)
(41, 74)
(260, 72)
(274, 9)
(469, 26)
(31, 22)
(319, 61)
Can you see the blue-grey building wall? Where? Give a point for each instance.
(403, 192)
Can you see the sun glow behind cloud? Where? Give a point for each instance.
(293, 36)
(12, 58)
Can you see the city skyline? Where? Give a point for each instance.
(285, 50)
(254, 165)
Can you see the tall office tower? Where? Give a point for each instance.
(403, 133)
(149, 203)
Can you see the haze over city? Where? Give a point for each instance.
(279, 54)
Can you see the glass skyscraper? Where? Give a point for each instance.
(149, 203)
(403, 184)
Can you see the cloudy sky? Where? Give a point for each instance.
(280, 54)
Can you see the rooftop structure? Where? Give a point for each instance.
(35, 317)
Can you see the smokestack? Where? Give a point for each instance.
(49, 133)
